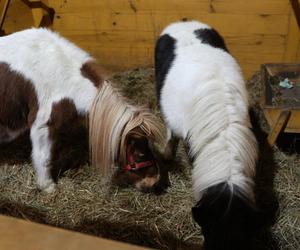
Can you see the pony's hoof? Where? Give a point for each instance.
(49, 189)
(47, 186)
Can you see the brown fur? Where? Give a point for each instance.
(94, 72)
(143, 179)
(18, 100)
(69, 135)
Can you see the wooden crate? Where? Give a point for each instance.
(283, 115)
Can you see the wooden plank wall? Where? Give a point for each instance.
(18, 17)
(122, 33)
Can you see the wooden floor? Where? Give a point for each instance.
(16, 234)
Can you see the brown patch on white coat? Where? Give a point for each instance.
(18, 104)
(94, 72)
(68, 133)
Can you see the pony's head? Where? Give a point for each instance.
(139, 160)
(123, 138)
(228, 219)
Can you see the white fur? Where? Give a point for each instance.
(53, 65)
(41, 151)
(43, 51)
(204, 100)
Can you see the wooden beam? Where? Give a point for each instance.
(37, 15)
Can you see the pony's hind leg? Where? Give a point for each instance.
(171, 146)
(41, 153)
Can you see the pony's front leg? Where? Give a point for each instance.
(41, 153)
(171, 146)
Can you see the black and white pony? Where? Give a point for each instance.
(58, 92)
(203, 100)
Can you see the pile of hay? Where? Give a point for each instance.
(87, 203)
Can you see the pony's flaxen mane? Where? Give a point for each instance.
(111, 120)
(224, 148)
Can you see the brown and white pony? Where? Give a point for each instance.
(57, 91)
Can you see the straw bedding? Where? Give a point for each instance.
(85, 202)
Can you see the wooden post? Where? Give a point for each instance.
(279, 126)
(42, 14)
(293, 36)
(3, 8)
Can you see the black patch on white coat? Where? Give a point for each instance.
(227, 220)
(211, 37)
(164, 57)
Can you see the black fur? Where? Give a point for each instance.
(211, 37)
(164, 57)
(227, 220)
